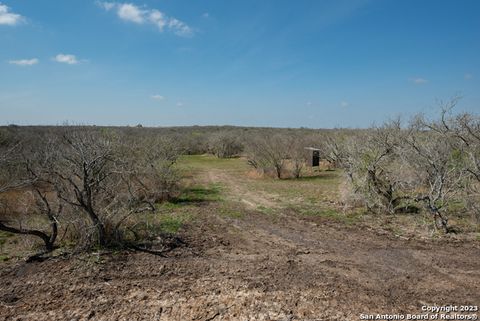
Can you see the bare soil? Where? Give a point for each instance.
(258, 267)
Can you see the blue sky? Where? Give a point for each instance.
(313, 63)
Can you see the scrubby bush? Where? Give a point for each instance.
(225, 144)
(268, 152)
(428, 164)
(85, 178)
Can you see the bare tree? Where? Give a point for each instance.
(26, 173)
(295, 146)
(268, 152)
(468, 131)
(439, 166)
(462, 133)
(149, 172)
(341, 150)
(89, 179)
(465, 130)
(225, 144)
(82, 172)
(386, 175)
(372, 163)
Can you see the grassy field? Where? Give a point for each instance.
(233, 181)
(235, 187)
(321, 187)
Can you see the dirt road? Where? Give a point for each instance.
(258, 267)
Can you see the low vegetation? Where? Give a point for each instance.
(427, 164)
(89, 187)
(89, 182)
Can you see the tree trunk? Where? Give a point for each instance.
(278, 169)
(439, 218)
(48, 240)
(102, 241)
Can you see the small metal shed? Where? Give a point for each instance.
(312, 156)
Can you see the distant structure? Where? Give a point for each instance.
(312, 156)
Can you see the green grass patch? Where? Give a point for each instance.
(316, 189)
(231, 212)
(4, 258)
(204, 162)
(319, 177)
(312, 190)
(4, 236)
(321, 212)
(266, 210)
(199, 194)
(332, 214)
(456, 207)
(171, 224)
(168, 206)
(152, 225)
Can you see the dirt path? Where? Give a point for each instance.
(260, 267)
(237, 190)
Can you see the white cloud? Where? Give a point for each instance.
(158, 18)
(132, 13)
(9, 18)
(66, 59)
(206, 15)
(179, 104)
(419, 81)
(24, 62)
(179, 28)
(468, 76)
(157, 97)
(106, 5)
(344, 104)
